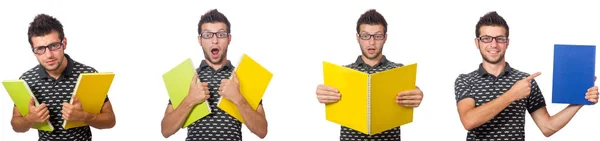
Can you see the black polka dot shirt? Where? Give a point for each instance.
(217, 126)
(347, 134)
(509, 124)
(54, 92)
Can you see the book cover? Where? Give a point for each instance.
(573, 73)
(20, 93)
(177, 81)
(368, 101)
(253, 82)
(91, 90)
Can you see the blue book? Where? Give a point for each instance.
(574, 67)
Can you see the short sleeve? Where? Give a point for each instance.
(106, 99)
(535, 100)
(169, 101)
(462, 89)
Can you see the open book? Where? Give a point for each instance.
(20, 93)
(177, 81)
(253, 82)
(91, 90)
(368, 101)
(573, 73)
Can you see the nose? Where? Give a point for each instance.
(372, 40)
(494, 43)
(47, 53)
(214, 40)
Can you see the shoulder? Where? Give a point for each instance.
(82, 68)
(466, 77)
(31, 73)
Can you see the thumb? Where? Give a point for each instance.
(31, 102)
(532, 76)
(234, 78)
(76, 100)
(195, 78)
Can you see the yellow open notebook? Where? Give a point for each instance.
(368, 102)
(20, 93)
(177, 81)
(253, 81)
(91, 90)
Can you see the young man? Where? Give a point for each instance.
(371, 34)
(214, 36)
(492, 100)
(52, 82)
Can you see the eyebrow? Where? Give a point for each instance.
(220, 30)
(48, 44)
(378, 32)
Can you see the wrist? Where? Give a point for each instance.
(88, 116)
(511, 95)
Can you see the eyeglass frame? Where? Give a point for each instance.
(371, 36)
(493, 38)
(213, 35)
(47, 47)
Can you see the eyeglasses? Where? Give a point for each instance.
(489, 39)
(365, 36)
(209, 35)
(51, 47)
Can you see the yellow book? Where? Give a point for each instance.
(20, 93)
(253, 81)
(177, 81)
(91, 90)
(368, 101)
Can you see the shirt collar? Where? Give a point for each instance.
(68, 70)
(383, 60)
(483, 72)
(227, 65)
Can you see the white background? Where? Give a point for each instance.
(141, 40)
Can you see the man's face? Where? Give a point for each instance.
(371, 39)
(214, 46)
(50, 59)
(492, 43)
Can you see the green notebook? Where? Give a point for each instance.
(177, 81)
(21, 94)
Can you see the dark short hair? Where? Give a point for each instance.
(44, 24)
(213, 16)
(371, 17)
(491, 19)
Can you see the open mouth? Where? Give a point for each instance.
(371, 50)
(493, 51)
(214, 53)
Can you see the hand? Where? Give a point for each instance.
(230, 89)
(37, 114)
(74, 112)
(592, 93)
(522, 88)
(410, 98)
(198, 92)
(326, 94)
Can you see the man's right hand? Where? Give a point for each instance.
(37, 114)
(198, 93)
(522, 88)
(326, 94)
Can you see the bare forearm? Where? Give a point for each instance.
(255, 121)
(559, 120)
(20, 124)
(480, 115)
(101, 120)
(173, 121)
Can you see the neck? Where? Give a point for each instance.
(371, 62)
(494, 69)
(217, 66)
(56, 73)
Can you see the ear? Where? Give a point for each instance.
(229, 39)
(476, 43)
(64, 43)
(357, 38)
(385, 38)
